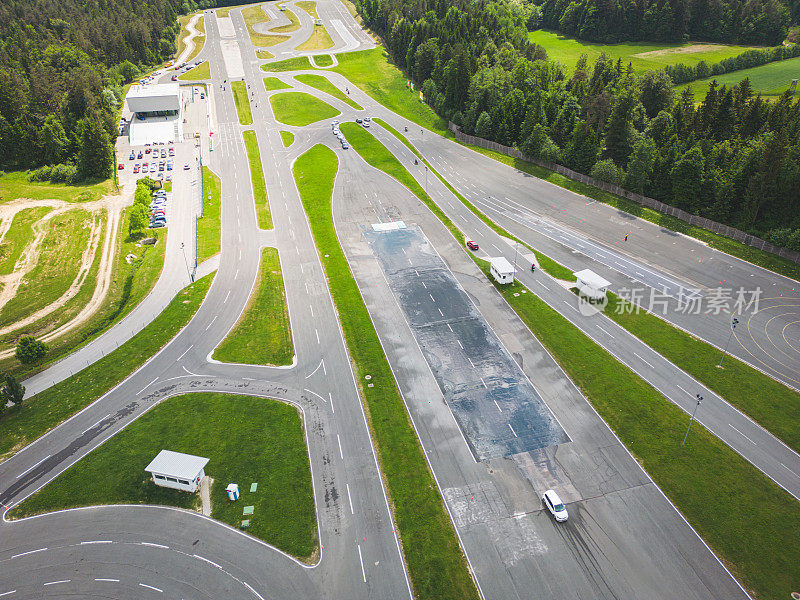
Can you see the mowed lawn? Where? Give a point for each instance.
(201, 71)
(263, 335)
(16, 185)
(208, 226)
(257, 178)
(321, 83)
(273, 83)
(643, 56)
(287, 137)
(247, 439)
(242, 102)
(300, 109)
(769, 80)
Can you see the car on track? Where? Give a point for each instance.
(345, 145)
(555, 506)
(121, 166)
(359, 121)
(472, 245)
(365, 123)
(174, 78)
(186, 167)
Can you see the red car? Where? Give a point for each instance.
(472, 245)
(121, 166)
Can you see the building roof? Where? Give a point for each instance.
(592, 279)
(153, 98)
(177, 464)
(501, 265)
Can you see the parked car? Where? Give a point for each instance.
(345, 145)
(120, 167)
(359, 121)
(152, 167)
(135, 168)
(169, 176)
(132, 156)
(472, 245)
(555, 506)
(365, 123)
(186, 167)
(139, 156)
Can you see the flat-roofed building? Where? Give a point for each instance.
(177, 470)
(157, 100)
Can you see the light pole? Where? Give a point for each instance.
(734, 323)
(699, 400)
(186, 262)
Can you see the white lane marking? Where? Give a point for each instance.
(512, 429)
(315, 393)
(570, 305)
(685, 391)
(330, 397)
(425, 286)
(317, 334)
(247, 585)
(211, 562)
(604, 331)
(472, 364)
(185, 351)
(352, 512)
(33, 467)
(106, 579)
(212, 322)
(484, 383)
(543, 285)
(226, 297)
(97, 542)
(7, 593)
(432, 298)
(236, 276)
(450, 328)
(743, 435)
(459, 344)
(338, 439)
(137, 393)
(28, 552)
(790, 471)
(152, 545)
(152, 588)
(311, 308)
(361, 559)
(415, 271)
(56, 582)
(643, 360)
(440, 311)
(321, 363)
(500, 409)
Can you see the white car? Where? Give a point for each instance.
(555, 506)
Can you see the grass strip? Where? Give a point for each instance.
(319, 39)
(247, 439)
(287, 137)
(436, 565)
(242, 102)
(293, 25)
(263, 335)
(322, 84)
(208, 226)
(298, 63)
(750, 522)
(255, 14)
(264, 54)
(19, 235)
(300, 109)
(310, 6)
(257, 178)
(323, 60)
(773, 405)
(725, 498)
(273, 83)
(201, 71)
(199, 40)
(21, 425)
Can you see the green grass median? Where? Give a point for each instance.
(21, 425)
(263, 335)
(208, 226)
(247, 439)
(201, 71)
(321, 83)
(287, 137)
(257, 176)
(297, 63)
(436, 565)
(273, 83)
(300, 109)
(242, 102)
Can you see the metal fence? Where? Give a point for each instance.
(736, 234)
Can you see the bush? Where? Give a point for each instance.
(55, 174)
(785, 238)
(606, 170)
(30, 350)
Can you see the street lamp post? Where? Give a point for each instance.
(734, 323)
(186, 262)
(699, 400)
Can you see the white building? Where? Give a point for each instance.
(590, 284)
(160, 99)
(177, 470)
(501, 269)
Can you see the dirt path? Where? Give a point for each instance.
(112, 205)
(189, 40)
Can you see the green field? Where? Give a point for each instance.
(15, 185)
(324, 60)
(294, 22)
(300, 109)
(321, 83)
(257, 176)
(255, 14)
(319, 39)
(310, 6)
(273, 83)
(644, 56)
(201, 71)
(18, 236)
(769, 80)
(247, 439)
(242, 102)
(20, 425)
(298, 63)
(437, 568)
(208, 226)
(263, 335)
(287, 137)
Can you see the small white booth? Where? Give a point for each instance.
(177, 470)
(501, 269)
(590, 284)
(233, 491)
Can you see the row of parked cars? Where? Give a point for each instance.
(338, 133)
(158, 209)
(182, 68)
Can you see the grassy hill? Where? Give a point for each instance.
(771, 79)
